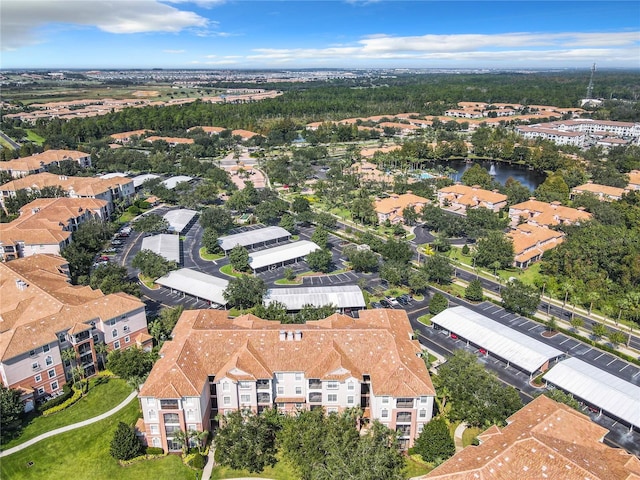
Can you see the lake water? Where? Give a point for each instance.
(529, 178)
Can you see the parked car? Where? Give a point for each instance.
(104, 258)
(403, 301)
(454, 336)
(482, 351)
(376, 305)
(385, 303)
(405, 297)
(393, 301)
(116, 242)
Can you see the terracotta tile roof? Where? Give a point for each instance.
(37, 161)
(370, 152)
(209, 130)
(471, 195)
(207, 342)
(530, 241)
(543, 213)
(127, 135)
(38, 301)
(174, 140)
(397, 203)
(544, 439)
(634, 179)
(245, 134)
(605, 190)
(82, 186)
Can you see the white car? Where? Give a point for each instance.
(393, 301)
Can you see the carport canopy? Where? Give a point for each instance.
(281, 254)
(253, 237)
(344, 296)
(165, 245)
(179, 219)
(510, 345)
(196, 284)
(599, 388)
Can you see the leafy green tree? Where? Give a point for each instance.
(398, 251)
(393, 272)
(124, 444)
(309, 313)
(112, 278)
(561, 397)
(270, 211)
(474, 291)
(477, 175)
(217, 218)
(152, 265)
(301, 440)
(362, 260)
(245, 291)
(151, 223)
(288, 223)
(320, 237)
(553, 189)
(276, 311)
(516, 192)
(577, 323)
(616, 337)
(480, 221)
(418, 280)
(161, 328)
(320, 261)
(438, 303)
(246, 440)
(11, 412)
(410, 215)
(327, 220)
(130, 363)
(494, 248)
(289, 274)
(210, 240)
(520, 298)
(300, 205)
(88, 241)
(598, 330)
(435, 443)
(475, 395)
(438, 268)
(239, 259)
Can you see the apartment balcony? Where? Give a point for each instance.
(404, 403)
(315, 384)
(315, 397)
(403, 417)
(264, 397)
(263, 384)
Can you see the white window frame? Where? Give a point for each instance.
(46, 348)
(51, 373)
(245, 398)
(114, 332)
(125, 328)
(226, 401)
(54, 386)
(332, 398)
(351, 386)
(385, 400)
(333, 385)
(279, 376)
(49, 360)
(226, 387)
(154, 429)
(299, 376)
(422, 413)
(350, 400)
(41, 391)
(116, 345)
(280, 389)
(298, 390)
(127, 339)
(37, 378)
(384, 413)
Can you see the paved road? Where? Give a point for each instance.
(10, 141)
(73, 426)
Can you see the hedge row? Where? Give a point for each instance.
(54, 402)
(77, 394)
(139, 458)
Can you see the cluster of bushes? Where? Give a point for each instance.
(77, 394)
(138, 207)
(150, 454)
(54, 402)
(195, 460)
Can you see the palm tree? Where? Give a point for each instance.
(101, 351)
(201, 437)
(183, 437)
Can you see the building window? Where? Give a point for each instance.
(126, 339)
(190, 415)
(298, 376)
(298, 390)
(226, 400)
(37, 378)
(116, 344)
(350, 400)
(171, 418)
(61, 338)
(279, 376)
(152, 415)
(226, 387)
(424, 399)
(280, 390)
(351, 386)
(32, 353)
(332, 397)
(169, 404)
(125, 328)
(245, 398)
(51, 373)
(385, 400)
(154, 429)
(384, 414)
(332, 385)
(40, 390)
(45, 348)
(420, 427)
(114, 332)
(423, 413)
(245, 385)
(49, 360)
(54, 386)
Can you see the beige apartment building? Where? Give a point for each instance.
(543, 213)
(43, 314)
(391, 208)
(46, 224)
(40, 162)
(458, 198)
(215, 365)
(111, 190)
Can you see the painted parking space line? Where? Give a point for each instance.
(598, 356)
(636, 374)
(614, 360)
(524, 323)
(564, 341)
(624, 367)
(487, 308)
(505, 315)
(535, 326)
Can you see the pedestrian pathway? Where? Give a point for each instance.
(73, 426)
(457, 436)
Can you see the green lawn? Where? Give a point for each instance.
(469, 434)
(281, 471)
(148, 282)
(228, 270)
(34, 137)
(416, 467)
(425, 319)
(210, 256)
(99, 399)
(284, 281)
(84, 453)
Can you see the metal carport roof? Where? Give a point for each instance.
(197, 284)
(597, 387)
(253, 237)
(172, 182)
(179, 219)
(165, 244)
(283, 253)
(517, 348)
(344, 296)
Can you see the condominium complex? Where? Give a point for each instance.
(583, 132)
(45, 225)
(392, 207)
(214, 365)
(42, 314)
(40, 162)
(458, 198)
(542, 213)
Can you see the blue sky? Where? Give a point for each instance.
(306, 34)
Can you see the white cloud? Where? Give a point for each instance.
(200, 3)
(535, 48)
(22, 19)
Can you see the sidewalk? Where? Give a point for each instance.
(73, 426)
(457, 436)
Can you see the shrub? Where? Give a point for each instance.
(125, 445)
(54, 402)
(198, 461)
(77, 394)
(154, 451)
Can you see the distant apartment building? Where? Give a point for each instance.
(41, 162)
(458, 198)
(634, 180)
(531, 241)
(602, 192)
(172, 141)
(595, 127)
(560, 137)
(214, 365)
(111, 190)
(126, 137)
(583, 132)
(46, 224)
(43, 314)
(391, 208)
(548, 214)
